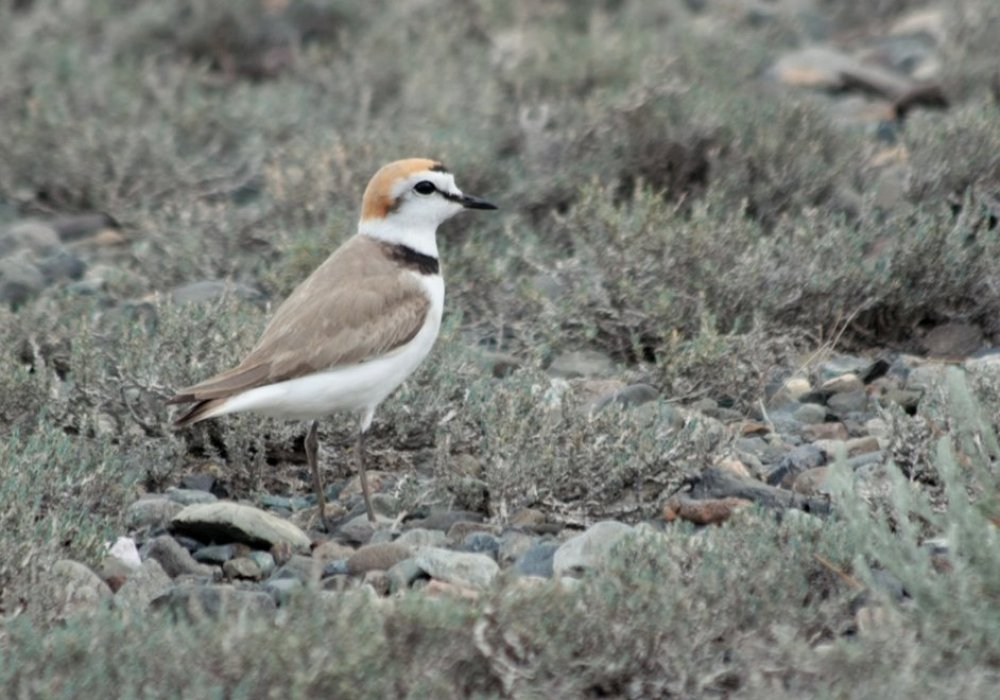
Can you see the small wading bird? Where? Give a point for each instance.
(358, 326)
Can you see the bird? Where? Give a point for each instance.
(349, 335)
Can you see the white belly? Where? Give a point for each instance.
(359, 388)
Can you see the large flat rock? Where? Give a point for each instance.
(233, 522)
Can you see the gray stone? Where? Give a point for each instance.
(282, 589)
(242, 567)
(198, 482)
(377, 580)
(402, 574)
(71, 588)
(845, 383)
(796, 461)
(581, 363)
(187, 497)
(481, 542)
(843, 364)
(233, 521)
(303, 568)
(175, 559)
(420, 537)
(537, 560)
(589, 550)
(35, 236)
(926, 376)
(19, 281)
(632, 395)
(143, 586)
(264, 560)
(460, 568)
(151, 512)
(198, 602)
(376, 557)
(512, 545)
(335, 567)
(358, 529)
(445, 520)
(220, 553)
(61, 265)
(810, 414)
(953, 340)
(851, 402)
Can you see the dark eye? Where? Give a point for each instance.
(424, 187)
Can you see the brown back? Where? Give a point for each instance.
(354, 307)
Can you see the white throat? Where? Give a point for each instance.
(420, 237)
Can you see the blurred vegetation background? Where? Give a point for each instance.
(706, 193)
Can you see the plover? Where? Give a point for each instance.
(358, 326)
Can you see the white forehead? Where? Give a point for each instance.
(442, 180)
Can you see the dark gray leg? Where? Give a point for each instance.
(312, 447)
(360, 449)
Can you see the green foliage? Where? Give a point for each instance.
(61, 497)
(658, 203)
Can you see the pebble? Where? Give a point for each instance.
(461, 568)
(282, 589)
(151, 512)
(810, 482)
(20, 281)
(463, 528)
(242, 568)
(220, 553)
(708, 511)
(953, 340)
(734, 467)
(843, 384)
(631, 395)
(305, 569)
(72, 588)
(849, 402)
(825, 431)
(589, 550)
(378, 580)
(810, 413)
(419, 537)
(197, 602)
(482, 543)
(795, 461)
(330, 550)
(359, 529)
(143, 585)
(402, 574)
(187, 497)
(35, 236)
(537, 560)
(526, 518)
(174, 558)
(376, 557)
(233, 521)
(445, 519)
(264, 561)
(335, 567)
(512, 545)
(61, 265)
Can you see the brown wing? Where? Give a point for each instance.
(354, 307)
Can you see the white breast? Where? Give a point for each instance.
(358, 388)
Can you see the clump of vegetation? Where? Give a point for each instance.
(659, 203)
